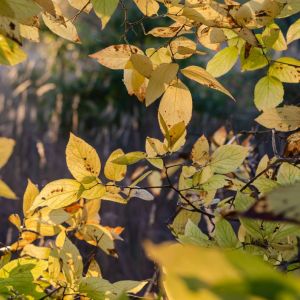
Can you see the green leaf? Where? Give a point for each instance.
(288, 174)
(268, 93)
(104, 9)
(225, 235)
(194, 235)
(228, 158)
(223, 61)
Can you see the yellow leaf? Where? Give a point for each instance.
(288, 174)
(71, 259)
(257, 13)
(30, 33)
(223, 61)
(159, 80)
(15, 220)
(176, 104)
(205, 37)
(10, 52)
(113, 171)
(6, 192)
(36, 252)
(6, 149)
(58, 194)
(82, 160)
(268, 93)
(142, 64)
(104, 9)
(30, 194)
(209, 13)
(130, 158)
(182, 47)
(94, 270)
(166, 32)
(201, 76)
(159, 56)
(80, 4)
(154, 147)
(293, 33)
(116, 57)
(92, 210)
(61, 26)
(98, 235)
(95, 192)
(286, 118)
(200, 151)
(47, 5)
(147, 7)
(228, 158)
(286, 69)
(135, 83)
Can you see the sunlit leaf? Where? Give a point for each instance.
(268, 93)
(104, 9)
(159, 80)
(201, 76)
(284, 118)
(223, 61)
(228, 158)
(82, 160)
(57, 194)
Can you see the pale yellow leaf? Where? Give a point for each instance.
(201, 76)
(147, 7)
(176, 104)
(286, 118)
(293, 33)
(112, 171)
(142, 64)
(286, 69)
(6, 192)
(57, 194)
(6, 149)
(60, 25)
(200, 151)
(159, 80)
(268, 93)
(116, 57)
(30, 194)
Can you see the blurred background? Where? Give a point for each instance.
(60, 89)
